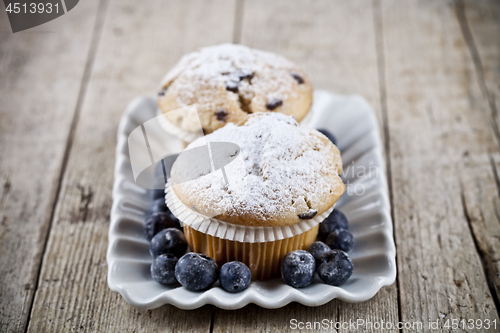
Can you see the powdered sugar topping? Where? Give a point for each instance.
(283, 170)
(222, 64)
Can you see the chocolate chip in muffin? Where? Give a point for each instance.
(308, 215)
(163, 92)
(245, 74)
(297, 77)
(232, 86)
(221, 115)
(274, 103)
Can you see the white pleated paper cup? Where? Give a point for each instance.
(235, 232)
(260, 248)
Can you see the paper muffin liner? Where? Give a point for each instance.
(234, 232)
(261, 248)
(183, 135)
(263, 259)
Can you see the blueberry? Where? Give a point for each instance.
(163, 91)
(336, 220)
(245, 74)
(335, 267)
(234, 276)
(157, 206)
(232, 86)
(196, 271)
(317, 249)
(297, 77)
(308, 214)
(170, 240)
(329, 135)
(157, 222)
(174, 219)
(221, 115)
(157, 194)
(297, 268)
(340, 239)
(163, 269)
(274, 103)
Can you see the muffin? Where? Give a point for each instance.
(265, 203)
(227, 83)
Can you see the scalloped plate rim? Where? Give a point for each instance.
(251, 295)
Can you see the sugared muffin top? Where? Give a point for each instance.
(285, 173)
(227, 82)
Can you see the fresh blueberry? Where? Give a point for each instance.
(174, 219)
(329, 135)
(317, 249)
(297, 268)
(157, 222)
(158, 206)
(157, 194)
(340, 239)
(234, 276)
(170, 240)
(335, 267)
(336, 220)
(196, 271)
(163, 269)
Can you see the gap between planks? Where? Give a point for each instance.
(476, 59)
(237, 32)
(298, 47)
(486, 269)
(379, 51)
(96, 36)
(478, 66)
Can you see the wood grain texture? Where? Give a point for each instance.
(429, 69)
(41, 70)
(256, 319)
(480, 22)
(138, 45)
(440, 137)
(339, 55)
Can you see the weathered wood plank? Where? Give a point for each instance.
(41, 72)
(439, 150)
(480, 22)
(297, 317)
(339, 54)
(138, 45)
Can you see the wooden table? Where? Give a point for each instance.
(430, 69)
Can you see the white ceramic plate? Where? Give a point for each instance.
(365, 203)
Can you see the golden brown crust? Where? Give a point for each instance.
(286, 177)
(271, 83)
